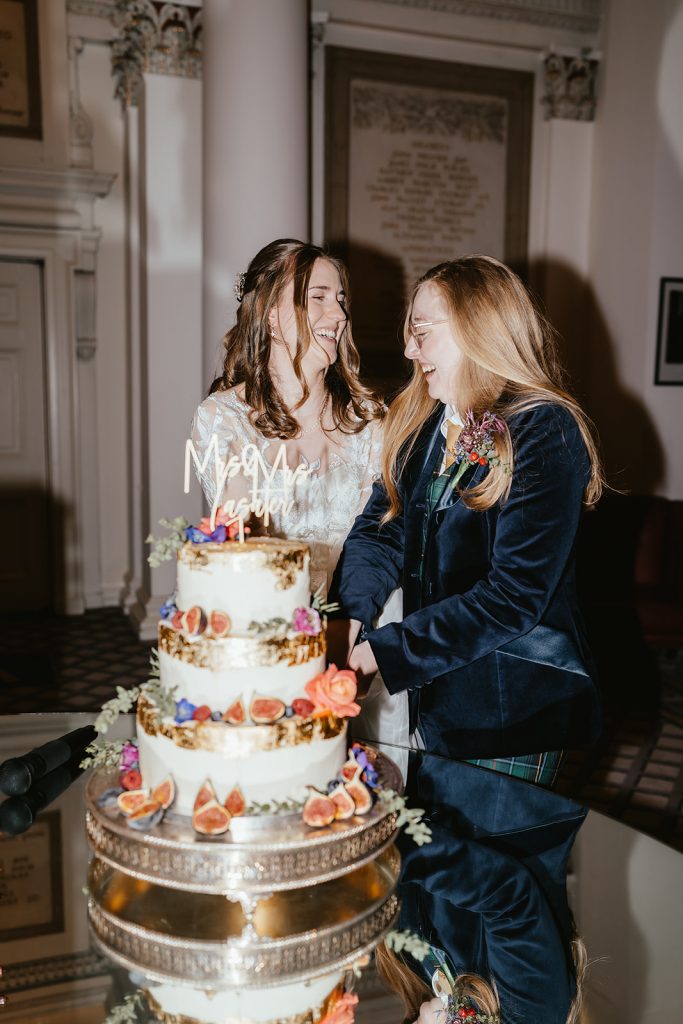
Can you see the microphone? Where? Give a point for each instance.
(18, 774)
(20, 812)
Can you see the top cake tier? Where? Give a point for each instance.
(262, 578)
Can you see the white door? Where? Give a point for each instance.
(24, 485)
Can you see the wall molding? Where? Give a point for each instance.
(574, 15)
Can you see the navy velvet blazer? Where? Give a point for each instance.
(491, 646)
(488, 913)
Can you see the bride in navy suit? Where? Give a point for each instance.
(487, 463)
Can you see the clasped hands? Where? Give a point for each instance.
(341, 637)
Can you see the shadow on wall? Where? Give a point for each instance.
(609, 556)
(378, 301)
(33, 563)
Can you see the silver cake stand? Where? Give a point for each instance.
(259, 855)
(206, 941)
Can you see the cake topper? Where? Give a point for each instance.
(266, 496)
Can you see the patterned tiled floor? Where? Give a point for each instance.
(67, 663)
(635, 772)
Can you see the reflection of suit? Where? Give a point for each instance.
(490, 889)
(490, 648)
(487, 912)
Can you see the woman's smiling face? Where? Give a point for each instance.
(326, 316)
(432, 343)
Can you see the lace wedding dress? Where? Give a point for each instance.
(325, 504)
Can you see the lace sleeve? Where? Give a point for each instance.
(214, 416)
(371, 460)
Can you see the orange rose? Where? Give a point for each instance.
(334, 690)
(343, 1011)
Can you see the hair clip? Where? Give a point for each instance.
(238, 287)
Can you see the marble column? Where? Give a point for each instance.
(255, 145)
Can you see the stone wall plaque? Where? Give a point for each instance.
(425, 161)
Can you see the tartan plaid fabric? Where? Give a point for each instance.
(540, 768)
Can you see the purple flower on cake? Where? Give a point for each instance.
(129, 756)
(168, 608)
(219, 534)
(307, 620)
(193, 534)
(184, 710)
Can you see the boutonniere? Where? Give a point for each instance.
(476, 444)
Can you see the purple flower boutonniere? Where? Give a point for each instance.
(476, 444)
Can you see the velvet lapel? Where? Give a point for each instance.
(420, 468)
(424, 457)
(471, 476)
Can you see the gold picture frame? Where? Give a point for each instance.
(31, 888)
(20, 105)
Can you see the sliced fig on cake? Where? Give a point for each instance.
(205, 794)
(131, 800)
(319, 810)
(351, 770)
(234, 802)
(360, 794)
(220, 623)
(266, 710)
(235, 715)
(147, 816)
(165, 792)
(211, 819)
(343, 802)
(194, 621)
(177, 620)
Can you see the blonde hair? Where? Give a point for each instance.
(413, 991)
(509, 364)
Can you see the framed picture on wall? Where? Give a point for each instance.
(425, 161)
(20, 113)
(31, 893)
(669, 365)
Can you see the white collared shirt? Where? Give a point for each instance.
(450, 415)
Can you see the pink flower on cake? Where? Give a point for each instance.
(334, 690)
(222, 519)
(343, 1011)
(307, 620)
(129, 756)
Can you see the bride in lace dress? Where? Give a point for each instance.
(290, 377)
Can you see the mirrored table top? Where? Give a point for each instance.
(492, 836)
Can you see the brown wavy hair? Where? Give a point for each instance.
(248, 344)
(509, 364)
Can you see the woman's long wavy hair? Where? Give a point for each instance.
(509, 364)
(412, 991)
(248, 344)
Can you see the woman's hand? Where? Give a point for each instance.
(431, 1013)
(362, 661)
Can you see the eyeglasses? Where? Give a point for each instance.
(423, 323)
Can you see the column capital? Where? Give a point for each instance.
(162, 39)
(569, 85)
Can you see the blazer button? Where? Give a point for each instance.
(420, 504)
(414, 575)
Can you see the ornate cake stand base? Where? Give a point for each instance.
(259, 855)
